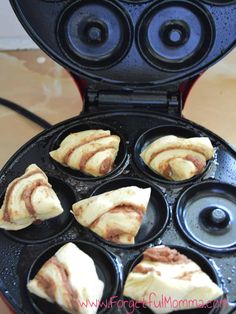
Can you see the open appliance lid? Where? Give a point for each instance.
(134, 44)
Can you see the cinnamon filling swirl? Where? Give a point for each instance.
(7, 212)
(49, 286)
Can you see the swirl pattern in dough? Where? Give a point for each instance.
(29, 198)
(115, 216)
(164, 273)
(177, 158)
(69, 278)
(93, 152)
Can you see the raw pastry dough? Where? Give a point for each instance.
(27, 199)
(116, 216)
(92, 152)
(165, 274)
(69, 278)
(177, 158)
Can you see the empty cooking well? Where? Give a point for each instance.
(94, 34)
(175, 34)
(206, 214)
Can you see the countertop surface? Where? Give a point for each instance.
(33, 80)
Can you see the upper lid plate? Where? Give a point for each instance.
(131, 43)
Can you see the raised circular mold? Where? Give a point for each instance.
(156, 218)
(106, 268)
(136, 1)
(94, 34)
(53, 1)
(201, 261)
(51, 228)
(206, 215)
(149, 137)
(120, 159)
(175, 35)
(220, 2)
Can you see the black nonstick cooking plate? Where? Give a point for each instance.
(20, 256)
(131, 43)
(132, 57)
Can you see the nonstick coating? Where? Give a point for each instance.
(154, 42)
(213, 205)
(17, 258)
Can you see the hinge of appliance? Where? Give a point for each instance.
(160, 101)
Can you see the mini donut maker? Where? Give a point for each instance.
(133, 62)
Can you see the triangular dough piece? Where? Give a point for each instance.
(92, 152)
(177, 158)
(27, 199)
(115, 216)
(165, 274)
(69, 279)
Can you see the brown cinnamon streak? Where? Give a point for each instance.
(155, 154)
(49, 286)
(7, 215)
(199, 164)
(165, 168)
(165, 255)
(70, 152)
(88, 156)
(145, 270)
(113, 234)
(188, 275)
(27, 196)
(106, 166)
(127, 207)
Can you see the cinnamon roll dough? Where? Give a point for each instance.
(165, 273)
(27, 199)
(115, 216)
(93, 152)
(69, 278)
(177, 158)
